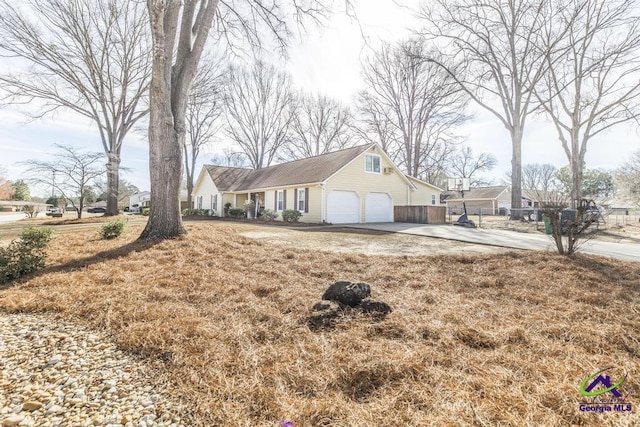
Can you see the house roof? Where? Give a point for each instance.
(305, 171)
(484, 193)
(494, 192)
(411, 178)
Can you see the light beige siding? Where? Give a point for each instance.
(314, 202)
(354, 178)
(424, 195)
(205, 188)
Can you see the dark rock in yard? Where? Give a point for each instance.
(347, 293)
(327, 305)
(322, 319)
(369, 305)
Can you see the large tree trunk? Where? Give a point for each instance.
(166, 137)
(165, 164)
(516, 174)
(113, 183)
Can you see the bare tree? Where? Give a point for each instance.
(87, 56)
(319, 125)
(421, 100)
(536, 176)
(204, 109)
(570, 228)
(259, 105)
(179, 30)
(70, 173)
(628, 178)
(463, 164)
(593, 84)
(499, 44)
(230, 158)
(374, 124)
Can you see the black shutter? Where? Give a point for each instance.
(275, 201)
(306, 200)
(295, 199)
(284, 200)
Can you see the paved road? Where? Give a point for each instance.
(506, 239)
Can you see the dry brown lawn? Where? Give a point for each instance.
(493, 339)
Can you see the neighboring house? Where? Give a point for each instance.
(18, 205)
(355, 185)
(139, 200)
(494, 200)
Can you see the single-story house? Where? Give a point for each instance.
(354, 185)
(18, 205)
(493, 200)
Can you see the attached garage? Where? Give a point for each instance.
(378, 208)
(343, 207)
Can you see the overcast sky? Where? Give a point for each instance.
(328, 61)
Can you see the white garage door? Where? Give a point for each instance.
(379, 208)
(343, 207)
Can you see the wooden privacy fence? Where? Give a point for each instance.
(420, 214)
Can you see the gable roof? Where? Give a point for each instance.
(305, 171)
(435, 187)
(484, 193)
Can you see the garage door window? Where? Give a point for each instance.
(372, 163)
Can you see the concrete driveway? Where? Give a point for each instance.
(505, 239)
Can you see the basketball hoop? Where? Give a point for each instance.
(458, 184)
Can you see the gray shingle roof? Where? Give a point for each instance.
(304, 171)
(483, 193)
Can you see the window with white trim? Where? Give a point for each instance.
(433, 199)
(280, 200)
(214, 202)
(372, 163)
(301, 200)
(199, 202)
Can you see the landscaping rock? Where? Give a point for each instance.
(53, 373)
(347, 293)
(342, 298)
(12, 421)
(327, 305)
(32, 405)
(325, 312)
(372, 306)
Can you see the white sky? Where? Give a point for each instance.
(326, 60)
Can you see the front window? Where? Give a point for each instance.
(214, 202)
(301, 200)
(372, 163)
(433, 199)
(199, 202)
(280, 200)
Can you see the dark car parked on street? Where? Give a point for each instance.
(97, 209)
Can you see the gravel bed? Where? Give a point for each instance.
(56, 374)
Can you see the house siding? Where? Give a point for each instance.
(205, 188)
(423, 195)
(314, 202)
(354, 178)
